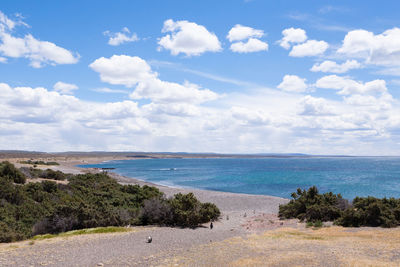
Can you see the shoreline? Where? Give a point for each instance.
(248, 233)
(244, 202)
(227, 202)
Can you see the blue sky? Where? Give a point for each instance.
(318, 77)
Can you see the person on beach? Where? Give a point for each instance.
(211, 225)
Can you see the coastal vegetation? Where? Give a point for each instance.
(312, 207)
(87, 201)
(33, 173)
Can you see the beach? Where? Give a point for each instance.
(248, 233)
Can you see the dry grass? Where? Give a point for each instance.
(97, 230)
(331, 246)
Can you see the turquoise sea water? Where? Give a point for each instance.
(350, 176)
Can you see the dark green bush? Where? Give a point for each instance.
(90, 200)
(370, 211)
(189, 212)
(47, 174)
(364, 211)
(156, 211)
(8, 170)
(311, 206)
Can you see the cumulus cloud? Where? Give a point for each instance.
(239, 33)
(382, 102)
(268, 120)
(44, 106)
(252, 45)
(135, 72)
(379, 49)
(315, 106)
(292, 36)
(293, 83)
(39, 52)
(331, 66)
(123, 70)
(309, 48)
(188, 38)
(250, 116)
(65, 88)
(177, 109)
(243, 33)
(348, 86)
(118, 38)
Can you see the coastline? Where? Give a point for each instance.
(248, 233)
(226, 201)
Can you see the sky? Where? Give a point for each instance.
(229, 76)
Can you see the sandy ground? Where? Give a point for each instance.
(247, 234)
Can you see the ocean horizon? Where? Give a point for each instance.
(349, 176)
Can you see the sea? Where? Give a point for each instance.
(349, 176)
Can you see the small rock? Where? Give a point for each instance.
(100, 264)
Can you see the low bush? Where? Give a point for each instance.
(8, 170)
(313, 207)
(370, 211)
(182, 210)
(47, 174)
(87, 201)
(189, 212)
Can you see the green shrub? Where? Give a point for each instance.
(156, 211)
(9, 171)
(370, 211)
(311, 206)
(364, 211)
(90, 200)
(190, 212)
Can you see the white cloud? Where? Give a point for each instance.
(293, 83)
(309, 48)
(38, 52)
(315, 106)
(162, 91)
(123, 70)
(176, 109)
(292, 36)
(252, 45)
(250, 116)
(135, 72)
(118, 38)
(239, 33)
(380, 49)
(348, 86)
(5, 22)
(331, 66)
(382, 102)
(188, 38)
(65, 88)
(263, 120)
(3, 60)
